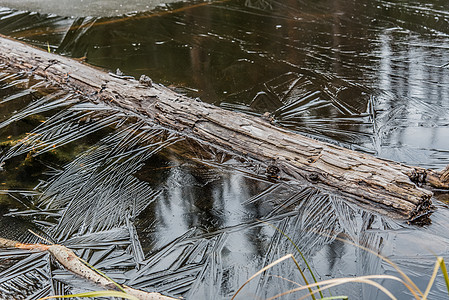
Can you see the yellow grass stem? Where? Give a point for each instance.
(408, 283)
(95, 294)
(86, 263)
(102, 274)
(261, 271)
(286, 279)
(370, 282)
(303, 258)
(438, 264)
(326, 284)
(42, 238)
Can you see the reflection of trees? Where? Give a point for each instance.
(213, 214)
(203, 198)
(200, 55)
(412, 108)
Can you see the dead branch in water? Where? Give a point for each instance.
(71, 262)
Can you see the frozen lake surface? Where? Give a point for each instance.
(157, 211)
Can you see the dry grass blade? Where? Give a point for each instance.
(261, 271)
(41, 237)
(326, 284)
(95, 294)
(408, 283)
(370, 282)
(303, 258)
(286, 279)
(438, 264)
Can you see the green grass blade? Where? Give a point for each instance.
(305, 279)
(336, 297)
(444, 271)
(95, 294)
(302, 256)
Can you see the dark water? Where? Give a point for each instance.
(162, 212)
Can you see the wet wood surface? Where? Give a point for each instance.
(380, 184)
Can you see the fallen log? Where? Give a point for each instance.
(71, 262)
(380, 184)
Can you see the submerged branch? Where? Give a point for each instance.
(71, 262)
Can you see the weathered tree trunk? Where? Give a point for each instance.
(381, 184)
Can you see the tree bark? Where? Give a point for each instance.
(382, 185)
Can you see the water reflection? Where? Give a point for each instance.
(412, 112)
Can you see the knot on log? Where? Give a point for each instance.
(422, 210)
(272, 172)
(418, 177)
(145, 81)
(444, 177)
(313, 177)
